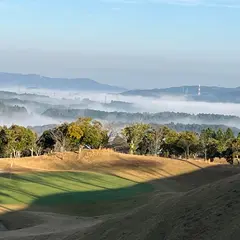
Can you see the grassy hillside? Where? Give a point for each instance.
(56, 189)
(123, 197)
(209, 212)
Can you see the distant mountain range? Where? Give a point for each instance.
(39, 82)
(209, 94)
(33, 81)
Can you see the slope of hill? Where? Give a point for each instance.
(127, 197)
(209, 212)
(42, 82)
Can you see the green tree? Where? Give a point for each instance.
(85, 131)
(134, 135)
(19, 139)
(74, 136)
(46, 142)
(212, 149)
(229, 135)
(221, 142)
(235, 146)
(205, 141)
(170, 146)
(238, 136)
(4, 142)
(187, 140)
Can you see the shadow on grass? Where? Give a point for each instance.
(86, 202)
(67, 190)
(93, 196)
(97, 196)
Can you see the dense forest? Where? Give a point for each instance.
(138, 138)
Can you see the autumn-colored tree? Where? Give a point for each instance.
(75, 134)
(85, 131)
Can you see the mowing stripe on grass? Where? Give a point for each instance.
(51, 188)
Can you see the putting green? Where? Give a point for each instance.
(61, 188)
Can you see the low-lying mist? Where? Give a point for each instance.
(30, 120)
(144, 104)
(37, 101)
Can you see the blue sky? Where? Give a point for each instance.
(157, 42)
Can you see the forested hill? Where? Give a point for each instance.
(159, 118)
(208, 94)
(9, 111)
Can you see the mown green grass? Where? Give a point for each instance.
(67, 188)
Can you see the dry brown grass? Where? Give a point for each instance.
(208, 212)
(200, 200)
(138, 168)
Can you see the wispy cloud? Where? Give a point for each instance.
(204, 3)
(190, 3)
(117, 9)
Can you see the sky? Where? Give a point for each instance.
(129, 43)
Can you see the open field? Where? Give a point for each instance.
(106, 195)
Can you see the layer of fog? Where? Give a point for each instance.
(29, 120)
(143, 104)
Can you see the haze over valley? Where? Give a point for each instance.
(25, 104)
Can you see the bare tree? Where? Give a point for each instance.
(60, 140)
(158, 139)
(35, 149)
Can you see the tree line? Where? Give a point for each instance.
(18, 141)
(160, 117)
(138, 138)
(145, 139)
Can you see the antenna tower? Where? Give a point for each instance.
(199, 90)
